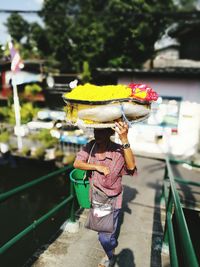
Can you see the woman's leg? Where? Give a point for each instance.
(108, 240)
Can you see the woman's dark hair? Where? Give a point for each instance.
(109, 131)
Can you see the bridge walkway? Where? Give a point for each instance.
(140, 231)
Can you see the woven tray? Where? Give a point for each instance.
(81, 124)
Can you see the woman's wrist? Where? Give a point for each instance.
(124, 140)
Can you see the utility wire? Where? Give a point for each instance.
(19, 11)
(177, 14)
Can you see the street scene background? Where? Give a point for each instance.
(61, 44)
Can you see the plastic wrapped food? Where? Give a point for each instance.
(111, 112)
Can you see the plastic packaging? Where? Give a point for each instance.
(111, 112)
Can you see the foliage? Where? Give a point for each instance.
(115, 33)
(46, 139)
(103, 33)
(4, 112)
(27, 111)
(59, 154)
(32, 89)
(186, 5)
(86, 74)
(69, 159)
(25, 151)
(17, 26)
(33, 136)
(4, 137)
(39, 153)
(1, 51)
(38, 38)
(8, 115)
(13, 147)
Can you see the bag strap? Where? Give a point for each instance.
(85, 175)
(91, 152)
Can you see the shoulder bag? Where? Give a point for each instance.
(101, 213)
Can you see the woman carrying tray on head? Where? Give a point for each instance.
(108, 162)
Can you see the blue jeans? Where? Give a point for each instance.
(108, 240)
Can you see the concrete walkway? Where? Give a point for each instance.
(140, 233)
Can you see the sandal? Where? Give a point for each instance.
(105, 262)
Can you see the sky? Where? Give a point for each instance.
(15, 5)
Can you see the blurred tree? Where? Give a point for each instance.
(32, 89)
(58, 17)
(1, 51)
(186, 5)
(114, 33)
(27, 111)
(86, 74)
(38, 39)
(132, 26)
(46, 138)
(4, 137)
(31, 38)
(17, 26)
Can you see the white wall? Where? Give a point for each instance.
(188, 89)
(185, 143)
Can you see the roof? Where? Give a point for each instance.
(166, 42)
(155, 71)
(184, 28)
(34, 66)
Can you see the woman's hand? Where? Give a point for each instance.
(122, 129)
(78, 164)
(103, 169)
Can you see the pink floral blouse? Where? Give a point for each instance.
(110, 184)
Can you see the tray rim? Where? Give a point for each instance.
(105, 125)
(103, 102)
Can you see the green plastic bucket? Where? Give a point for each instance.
(81, 187)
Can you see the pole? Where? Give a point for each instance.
(17, 113)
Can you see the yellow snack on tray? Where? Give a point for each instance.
(140, 94)
(92, 92)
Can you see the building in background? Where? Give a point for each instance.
(174, 73)
(32, 73)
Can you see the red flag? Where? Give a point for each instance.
(16, 61)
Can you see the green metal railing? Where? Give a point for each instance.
(171, 159)
(173, 207)
(46, 216)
